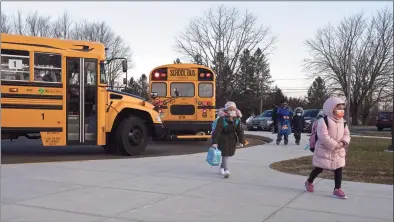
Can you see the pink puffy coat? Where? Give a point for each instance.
(327, 155)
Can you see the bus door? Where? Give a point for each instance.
(184, 107)
(81, 101)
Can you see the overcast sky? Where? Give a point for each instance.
(150, 27)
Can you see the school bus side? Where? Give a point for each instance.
(56, 90)
(185, 99)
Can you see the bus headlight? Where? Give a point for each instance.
(158, 119)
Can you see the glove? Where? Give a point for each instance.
(241, 145)
(214, 145)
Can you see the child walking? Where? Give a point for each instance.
(227, 134)
(331, 146)
(298, 123)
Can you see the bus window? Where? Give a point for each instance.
(160, 88)
(103, 76)
(15, 65)
(185, 89)
(73, 70)
(205, 90)
(90, 72)
(47, 67)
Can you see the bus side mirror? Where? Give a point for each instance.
(125, 81)
(153, 95)
(124, 65)
(176, 92)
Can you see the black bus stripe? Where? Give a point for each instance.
(206, 107)
(33, 84)
(31, 96)
(31, 106)
(29, 44)
(31, 129)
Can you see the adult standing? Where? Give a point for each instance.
(283, 113)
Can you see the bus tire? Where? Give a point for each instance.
(132, 136)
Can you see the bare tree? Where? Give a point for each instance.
(5, 25)
(19, 25)
(116, 47)
(218, 38)
(370, 42)
(61, 28)
(38, 25)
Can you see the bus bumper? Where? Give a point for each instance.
(190, 136)
(159, 130)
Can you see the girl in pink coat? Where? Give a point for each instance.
(331, 146)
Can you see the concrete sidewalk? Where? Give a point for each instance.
(183, 188)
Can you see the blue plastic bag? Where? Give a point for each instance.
(213, 156)
(307, 146)
(286, 127)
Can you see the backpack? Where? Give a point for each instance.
(313, 139)
(237, 121)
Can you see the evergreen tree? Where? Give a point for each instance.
(246, 75)
(317, 93)
(262, 76)
(277, 95)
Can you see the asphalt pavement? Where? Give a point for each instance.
(32, 151)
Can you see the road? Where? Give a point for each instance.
(31, 151)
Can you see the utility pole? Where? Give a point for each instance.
(390, 148)
(349, 77)
(261, 104)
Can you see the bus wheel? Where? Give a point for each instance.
(132, 136)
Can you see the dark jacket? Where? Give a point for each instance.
(281, 112)
(274, 110)
(227, 137)
(298, 122)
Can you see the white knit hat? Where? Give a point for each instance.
(230, 104)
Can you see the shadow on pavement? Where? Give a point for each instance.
(32, 151)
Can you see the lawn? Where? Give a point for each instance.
(366, 161)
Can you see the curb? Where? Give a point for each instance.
(263, 138)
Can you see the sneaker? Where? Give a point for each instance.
(338, 193)
(309, 187)
(277, 142)
(221, 172)
(227, 174)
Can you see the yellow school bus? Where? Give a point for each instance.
(184, 95)
(56, 90)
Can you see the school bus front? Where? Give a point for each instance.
(185, 99)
